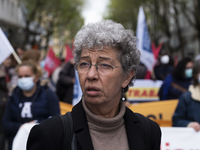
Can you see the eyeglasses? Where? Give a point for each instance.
(102, 68)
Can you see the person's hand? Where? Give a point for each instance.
(194, 125)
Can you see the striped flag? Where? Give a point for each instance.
(144, 42)
(5, 47)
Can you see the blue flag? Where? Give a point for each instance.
(144, 42)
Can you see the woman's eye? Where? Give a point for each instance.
(105, 66)
(84, 64)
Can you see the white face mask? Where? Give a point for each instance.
(26, 84)
(164, 59)
(188, 73)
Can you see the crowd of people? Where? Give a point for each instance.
(29, 95)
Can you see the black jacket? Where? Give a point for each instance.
(49, 135)
(64, 87)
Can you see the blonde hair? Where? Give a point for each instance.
(36, 70)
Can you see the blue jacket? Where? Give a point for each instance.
(170, 92)
(187, 110)
(42, 105)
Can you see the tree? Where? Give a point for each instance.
(167, 20)
(60, 18)
(124, 12)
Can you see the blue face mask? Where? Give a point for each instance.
(26, 84)
(188, 73)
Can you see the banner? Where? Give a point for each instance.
(51, 62)
(20, 139)
(5, 47)
(144, 90)
(144, 42)
(161, 110)
(175, 138)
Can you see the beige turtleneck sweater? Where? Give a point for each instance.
(107, 133)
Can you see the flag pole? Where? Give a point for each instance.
(16, 57)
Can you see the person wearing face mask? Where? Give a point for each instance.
(163, 67)
(30, 102)
(187, 113)
(178, 81)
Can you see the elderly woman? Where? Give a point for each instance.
(187, 113)
(106, 59)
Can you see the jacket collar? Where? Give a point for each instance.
(135, 134)
(81, 127)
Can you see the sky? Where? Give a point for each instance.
(93, 10)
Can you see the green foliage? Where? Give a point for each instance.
(56, 17)
(124, 12)
(167, 20)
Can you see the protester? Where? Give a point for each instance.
(141, 71)
(9, 69)
(163, 67)
(20, 51)
(35, 55)
(30, 102)
(178, 81)
(66, 80)
(3, 100)
(187, 113)
(56, 72)
(106, 58)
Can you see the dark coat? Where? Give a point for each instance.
(187, 110)
(3, 101)
(49, 135)
(45, 104)
(64, 87)
(170, 92)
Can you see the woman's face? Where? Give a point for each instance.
(102, 89)
(25, 71)
(8, 62)
(189, 65)
(188, 70)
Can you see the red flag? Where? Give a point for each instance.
(69, 54)
(156, 50)
(148, 75)
(51, 62)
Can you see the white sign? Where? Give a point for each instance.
(176, 138)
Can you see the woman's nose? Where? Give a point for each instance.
(92, 72)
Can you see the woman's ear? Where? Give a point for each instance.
(128, 78)
(36, 79)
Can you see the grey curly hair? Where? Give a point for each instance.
(109, 33)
